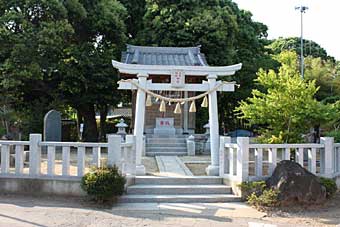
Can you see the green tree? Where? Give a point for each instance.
(227, 35)
(134, 22)
(32, 35)
(326, 73)
(88, 79)
(319, 66)
(55, 53)
(311, 48)
(285, 108)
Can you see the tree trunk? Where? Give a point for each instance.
(90, 133)
(103, 109)
(316, 134)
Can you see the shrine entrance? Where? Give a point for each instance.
(176, 95)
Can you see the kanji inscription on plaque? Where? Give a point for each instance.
(178, 79)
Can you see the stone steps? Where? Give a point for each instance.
(215, 198)
(152, 145)
(166, 136)
(166, 149)
(187, 189)
(179, 189)
(188, 180)
(166, 140)
(168, 153)
(166, 145)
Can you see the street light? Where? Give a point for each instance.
(302, 10)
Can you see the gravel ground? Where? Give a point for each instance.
(197, 169)
(19, 211)
(325, 215)
(24, 211)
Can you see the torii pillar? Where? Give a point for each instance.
(213, 168)
(138, 129)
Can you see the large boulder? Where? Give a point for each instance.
(296, 184)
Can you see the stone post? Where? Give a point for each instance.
(223, 159)
(5, 158)
(191, 145)
(329, 155)
(114, 150)
(131, 156)
(35, 154)
(242, 167)
(139, 123)
(213, 168)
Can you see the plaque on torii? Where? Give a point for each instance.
(178, 79)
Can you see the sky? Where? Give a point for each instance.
(321, 22)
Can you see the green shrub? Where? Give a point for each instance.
(103, 183)
(268, 198)
(330, 186)
(256, 194)
(335, 134)
(250, 187)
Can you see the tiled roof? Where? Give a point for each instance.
(144, 55)
(124, 112)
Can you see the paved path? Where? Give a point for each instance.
(172, 166)
(21, 211)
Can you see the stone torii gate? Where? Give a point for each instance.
(211, 73)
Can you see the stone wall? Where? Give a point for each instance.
(47, 186)
(30, 186)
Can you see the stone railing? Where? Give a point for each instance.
(243, 161)
(337, 158)
(40, 159)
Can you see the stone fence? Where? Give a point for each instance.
(57, 167)
(244, 161)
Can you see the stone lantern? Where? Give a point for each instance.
(122, 129)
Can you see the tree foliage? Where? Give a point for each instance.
(326, 73)
(227, 35)
(311, 48)
(134, 21)
(55, 53)
(285, 107)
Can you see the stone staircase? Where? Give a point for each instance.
(166, 145)
(152, 189)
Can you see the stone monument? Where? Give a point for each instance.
(52, 126)
(165, 126)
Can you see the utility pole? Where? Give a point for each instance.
(302, 10)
